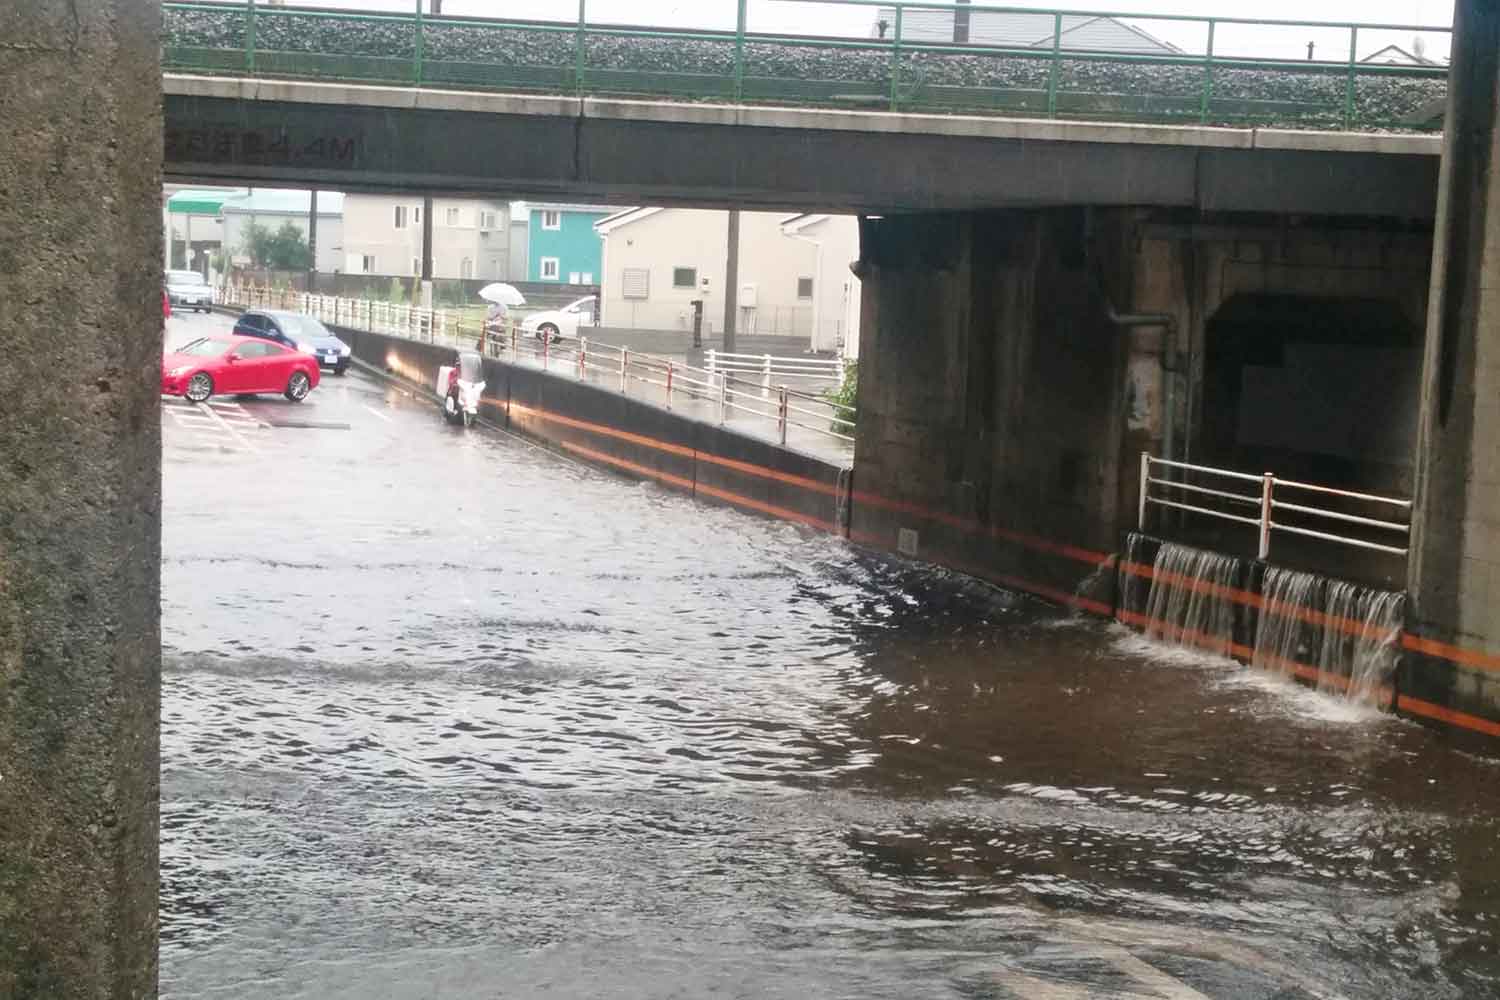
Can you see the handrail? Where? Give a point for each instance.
(1269, 505)
(904, 72)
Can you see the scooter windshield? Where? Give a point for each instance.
(469, 367)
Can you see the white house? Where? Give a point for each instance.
(794, 276)
(1020, 29)
(471, 238)
(271, 208)
(836, 291)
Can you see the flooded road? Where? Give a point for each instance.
(445, 715)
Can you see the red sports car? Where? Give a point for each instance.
(230, 365)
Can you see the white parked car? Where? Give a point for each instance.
(555, 324)
(188, 289)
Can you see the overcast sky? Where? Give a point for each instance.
(856, 21)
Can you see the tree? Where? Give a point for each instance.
(284, 250)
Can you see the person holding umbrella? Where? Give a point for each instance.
(501, 297)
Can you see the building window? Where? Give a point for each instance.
(684, 277)
(572, 277)
(466, 268)
(486, 220)
(550, 268)
(416, 215)
(400, 220)
(635, 283)
(416, 266)
(804, 288)
(551, 219)
(452, 217)
(367, 263)
(588, 277)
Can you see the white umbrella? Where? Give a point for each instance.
(502, 294)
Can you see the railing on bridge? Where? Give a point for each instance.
(1276, 505)
(1219, 70)
(718, 396)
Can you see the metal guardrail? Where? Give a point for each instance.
(1260, 509)
(810, 369)
(721, 395)
(895, 70)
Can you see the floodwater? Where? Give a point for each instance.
(445, 715)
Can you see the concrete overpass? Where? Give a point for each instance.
(352, 137)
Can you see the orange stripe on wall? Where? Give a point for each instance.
(697, 488)
(1430, 647)
(1453, 654)
(1427, 710)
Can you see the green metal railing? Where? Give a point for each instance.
(893, 70)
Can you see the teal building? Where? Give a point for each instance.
(563, 244)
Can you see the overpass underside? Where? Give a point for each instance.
(1015, 365)
(358, 137)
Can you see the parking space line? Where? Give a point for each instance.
(239, 438)
(376, 413)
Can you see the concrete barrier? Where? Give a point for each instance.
(633, 437)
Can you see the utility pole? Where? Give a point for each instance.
(427, 237)
(961, 24)
(732, 281)
(312, 241)
(437, 7)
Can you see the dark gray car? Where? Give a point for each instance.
(298, 331)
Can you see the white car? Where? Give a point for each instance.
(555, 324)
(188, 289)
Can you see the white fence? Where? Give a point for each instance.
(1266, 509)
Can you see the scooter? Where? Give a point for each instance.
(461, 393)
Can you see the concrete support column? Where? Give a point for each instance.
(426, 290)
(991, 409)
(80, 475)
(1454, 570)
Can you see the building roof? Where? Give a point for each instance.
(275, 201)
(797, 223)
(201, 201)
(610, 223)
(557, 206)
(1395, 55)
(1024, 29)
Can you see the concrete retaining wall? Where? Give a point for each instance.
(635, 438)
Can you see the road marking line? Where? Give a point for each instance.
(239, 438)
(376, 413)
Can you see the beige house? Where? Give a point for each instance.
(794, 276)
(470, 237)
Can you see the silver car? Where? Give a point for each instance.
(189, 290)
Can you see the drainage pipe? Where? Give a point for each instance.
(1168, 323)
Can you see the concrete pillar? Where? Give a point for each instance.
(732, 282)
(1454, 570)
(991, 396)
(80, 474)
(426, 284)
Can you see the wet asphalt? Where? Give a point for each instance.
(448, 715)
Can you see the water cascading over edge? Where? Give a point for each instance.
(1341, 636)
(1187, 602)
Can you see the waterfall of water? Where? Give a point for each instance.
(1365, 658)
(1187, 604)
(1350, 637)
(1282, 638)
(1135, 590)
(1348, 633)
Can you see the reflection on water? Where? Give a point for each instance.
(585, 739)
